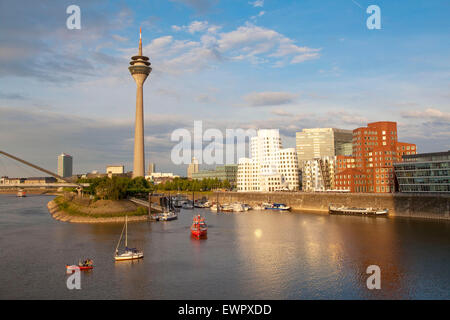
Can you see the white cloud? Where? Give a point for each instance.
(258, 99)
(427, 114)
(258, 45)
(119, 38)
(282, 113)
(257, 3)
(197, 26)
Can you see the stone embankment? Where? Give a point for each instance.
(426, 206)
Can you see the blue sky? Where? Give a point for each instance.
(233, 64)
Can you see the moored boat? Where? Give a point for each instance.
(199, 228)
(21, 193)
(226, 208)
(258, 207)
(168, 216)
(215, 207)
(187, 205)
(277, 206)
(358, 211)
(237, 207)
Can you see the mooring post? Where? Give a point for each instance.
(150, 204)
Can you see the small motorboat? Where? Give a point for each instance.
(258, 207)
(277, 206)
(227, 208)
(215, 208)
(187, 205)
(168, 216)
(87, 264)
(21, 193)
(207, 204)
(237, 207)
(199, 229)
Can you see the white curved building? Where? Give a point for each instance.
(270, 168)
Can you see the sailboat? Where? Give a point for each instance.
(129, 253)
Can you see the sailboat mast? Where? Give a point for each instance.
(120, 239)
(126, 231)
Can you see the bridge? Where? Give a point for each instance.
(63, 181)
(43, 185)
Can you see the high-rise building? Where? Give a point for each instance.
(192, 168)
(371, 166)
(151, 168)
(65, 163)
(270, 167)
(424, 172)
(322, 142)
(139, 69)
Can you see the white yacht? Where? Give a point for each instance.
(168, 216)
(128, 253)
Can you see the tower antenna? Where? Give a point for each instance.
(140, 41)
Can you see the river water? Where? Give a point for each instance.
(254, 255)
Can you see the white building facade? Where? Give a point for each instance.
(318, 174)
(270, 167)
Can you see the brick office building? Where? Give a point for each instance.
(375, 149)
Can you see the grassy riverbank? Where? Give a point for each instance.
(103, 211)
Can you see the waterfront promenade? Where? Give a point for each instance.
(426, 206)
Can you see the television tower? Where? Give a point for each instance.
(139, 69)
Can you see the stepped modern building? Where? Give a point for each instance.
(270, 167)
(139, 69)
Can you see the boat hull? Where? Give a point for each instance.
(168, 218)
(73, 267)
(199, 233)
(129, 257)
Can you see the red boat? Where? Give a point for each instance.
(88, 264)
(81, 267)
(199, 228)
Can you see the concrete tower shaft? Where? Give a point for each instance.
(139, 69)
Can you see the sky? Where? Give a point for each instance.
(269, 64)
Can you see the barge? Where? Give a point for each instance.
(358, 211)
